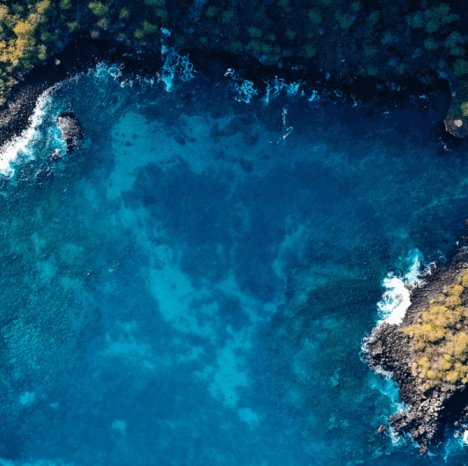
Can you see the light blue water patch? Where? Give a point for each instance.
(184, 289)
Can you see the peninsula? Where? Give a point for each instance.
(427, 355)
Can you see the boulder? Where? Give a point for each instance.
(70, 128)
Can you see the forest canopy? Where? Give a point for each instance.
(379, 39)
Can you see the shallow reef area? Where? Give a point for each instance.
(193, 282)
(204, 205)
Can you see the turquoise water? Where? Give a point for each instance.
(193, 285)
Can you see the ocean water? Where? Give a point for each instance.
(194, 284)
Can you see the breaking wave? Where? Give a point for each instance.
(396, 298)
(20, 147)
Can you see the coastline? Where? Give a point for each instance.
(77, 57)
(347, 291)
(389, 350)
(82, 54)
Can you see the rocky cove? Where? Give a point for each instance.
(433, 411)
(380, 98)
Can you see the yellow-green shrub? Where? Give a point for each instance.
(452, 376)
(424, 363)
(124, 13)
(453, 301)
(65, 4)
(446, 362)
(461, 368)
(428, 332)
(454, 290)
(437, 315)
(42, 8)
(99, 9)
(439, 337)
(457, 346)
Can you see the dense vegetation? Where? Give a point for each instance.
(440, 338)
(385, 39)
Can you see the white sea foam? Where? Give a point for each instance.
(465, 437)
(396, 299)
(10, 151)
(392, 310)
(176, 66)
(245, 91)
(275, 86)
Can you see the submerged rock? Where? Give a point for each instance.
(70, 127)
(381, 429)
(55, 157)
(430, 368)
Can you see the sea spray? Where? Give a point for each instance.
(175, 65)
(275, 86)
(245, 91)
(392, 308)
(11, 151)
(396, 299)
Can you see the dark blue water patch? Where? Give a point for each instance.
(192, 287)
(207, 230)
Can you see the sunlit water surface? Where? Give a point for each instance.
(193, 285)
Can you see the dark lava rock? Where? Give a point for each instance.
(382, 429)
(447, 141)
(70, 127)
(389, 349)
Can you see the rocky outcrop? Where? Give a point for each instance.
(70, 128)
(381, 429)
(455, 123)
(455, 126)
(389, 349)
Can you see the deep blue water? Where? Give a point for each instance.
(191, 287)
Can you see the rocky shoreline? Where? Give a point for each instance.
(78, 56)
(389, 350)
(83, 53)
